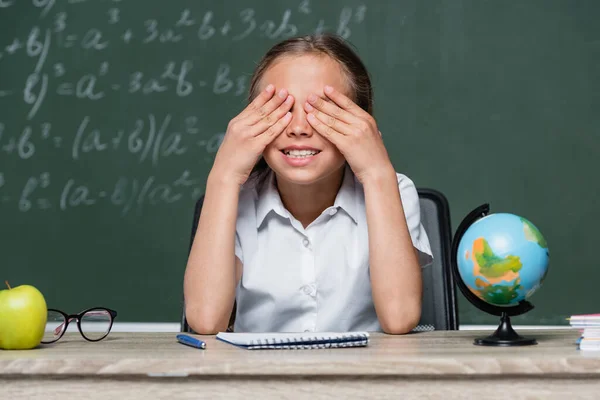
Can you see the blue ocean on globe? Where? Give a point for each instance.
(503, 259)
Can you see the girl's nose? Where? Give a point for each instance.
(299, 126)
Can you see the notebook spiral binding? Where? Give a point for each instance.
(317, 342)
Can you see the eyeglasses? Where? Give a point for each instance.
(94, 324)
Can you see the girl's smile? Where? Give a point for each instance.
(299, 156)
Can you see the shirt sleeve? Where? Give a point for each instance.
(412, 212)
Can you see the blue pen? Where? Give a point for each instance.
(191, 341)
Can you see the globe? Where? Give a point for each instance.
(503, 259)
(499, 261)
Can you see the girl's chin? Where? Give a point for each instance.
(299, 177)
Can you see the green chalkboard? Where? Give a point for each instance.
(111, 112)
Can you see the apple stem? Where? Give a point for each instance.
(7, 285)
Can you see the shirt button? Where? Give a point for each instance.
(307, 290)
(333, 211)
(306, 242)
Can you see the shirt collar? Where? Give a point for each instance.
(269, 199)
(346, 197)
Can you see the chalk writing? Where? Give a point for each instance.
(114, 106)
(126, 194)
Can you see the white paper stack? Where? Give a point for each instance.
(589, 326)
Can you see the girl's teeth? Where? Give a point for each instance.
(300, 153)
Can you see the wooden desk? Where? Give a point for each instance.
(424, 365)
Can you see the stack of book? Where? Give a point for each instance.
(589, 326)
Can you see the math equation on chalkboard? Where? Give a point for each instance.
(124, 104)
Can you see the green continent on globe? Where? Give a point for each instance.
(491, 265)
(497, 279)
(498, 294)
(533, 234)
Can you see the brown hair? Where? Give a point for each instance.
(323, 44)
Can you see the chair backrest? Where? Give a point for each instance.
(439, 307)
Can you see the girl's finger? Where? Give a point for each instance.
(345, 102)
(267, 108)
(271, 119)
(275, 130)
(260, 100)
(340, 127)
(318, 105)
(326, 131)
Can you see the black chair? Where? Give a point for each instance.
(439, 307)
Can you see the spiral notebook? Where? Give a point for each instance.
(295, 341)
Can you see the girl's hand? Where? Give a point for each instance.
(352, 130)
(250, 132)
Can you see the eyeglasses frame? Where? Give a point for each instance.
(70, 317)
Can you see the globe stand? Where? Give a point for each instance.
(505, 335)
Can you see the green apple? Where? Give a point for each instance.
(23, 314)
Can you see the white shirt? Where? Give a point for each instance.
(314, 279)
